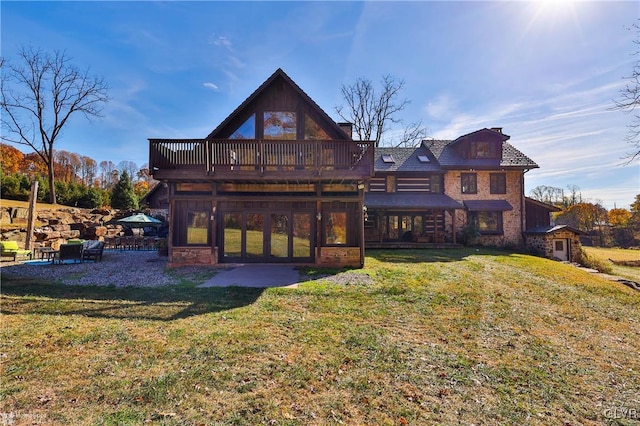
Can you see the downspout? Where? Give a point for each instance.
(523, 216)
(361, 204)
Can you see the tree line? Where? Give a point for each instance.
(616, 227)
(80, 180)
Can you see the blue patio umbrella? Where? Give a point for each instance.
(140, 220)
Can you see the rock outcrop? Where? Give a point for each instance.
(55, 227)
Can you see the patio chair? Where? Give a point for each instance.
(70, 252)
(92, 250)
(11, 249)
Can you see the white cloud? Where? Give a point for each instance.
(223, 41)
(443, 107)
(210, 86)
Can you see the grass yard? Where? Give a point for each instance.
(440, 337)
(605, 254)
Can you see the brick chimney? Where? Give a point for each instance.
(347, 128)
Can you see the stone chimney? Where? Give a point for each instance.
(347, 128)
(497, 129)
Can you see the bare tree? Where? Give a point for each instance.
(88, 170)
(130, 167)
(548, 194)
(629, 100)
(38, 97)
(372, 112)
(106, 169)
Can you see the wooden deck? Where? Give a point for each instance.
(247, 160)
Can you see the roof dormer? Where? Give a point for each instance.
(484, 144)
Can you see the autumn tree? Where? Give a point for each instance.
(372, 112)
(634, 221)
(629, 100)
(140, 188)
(584, 216)
(39, 95)
(66, 165)
(619, 217)
(33, 165)
(10, 159)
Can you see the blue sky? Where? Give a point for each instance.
(545, 71)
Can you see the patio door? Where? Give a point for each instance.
(267, 237)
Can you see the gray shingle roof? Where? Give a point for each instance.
(448, 157)
(406, 160)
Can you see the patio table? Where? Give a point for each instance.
(47, 252)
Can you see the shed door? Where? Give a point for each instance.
(560, 249)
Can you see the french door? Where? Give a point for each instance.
(267, 236)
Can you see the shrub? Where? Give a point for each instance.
(469, 234)
(15, 187)
(594, 263)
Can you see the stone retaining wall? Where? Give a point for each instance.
(55, 227)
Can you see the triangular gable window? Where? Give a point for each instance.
(312, 130)
(247, 130)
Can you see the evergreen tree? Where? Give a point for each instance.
(123, 197)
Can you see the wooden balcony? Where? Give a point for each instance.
(260, 159)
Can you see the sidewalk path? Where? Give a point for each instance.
(255, 275)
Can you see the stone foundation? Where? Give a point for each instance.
(339, 257)
(193, 256)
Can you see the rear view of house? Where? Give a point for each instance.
(277, 181)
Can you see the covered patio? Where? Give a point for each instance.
(404, 220)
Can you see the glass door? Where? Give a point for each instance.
(254, 235)
(279, 237)
(232, 236)
(302, 232)
(267, 237)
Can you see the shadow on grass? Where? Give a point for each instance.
(31, 296)
(432, 255)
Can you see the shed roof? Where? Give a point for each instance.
(551, 208)
(541, 230)
(397, 200)
(487, 205)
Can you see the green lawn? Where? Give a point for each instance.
(608, 254)
(439, 337)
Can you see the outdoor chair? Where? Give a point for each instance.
(70, 252)
(11, 249)
(92, 250)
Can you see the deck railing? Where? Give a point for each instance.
(259, 155)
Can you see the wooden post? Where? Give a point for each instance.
(453, 224)
(361, 205)
(33, 196)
